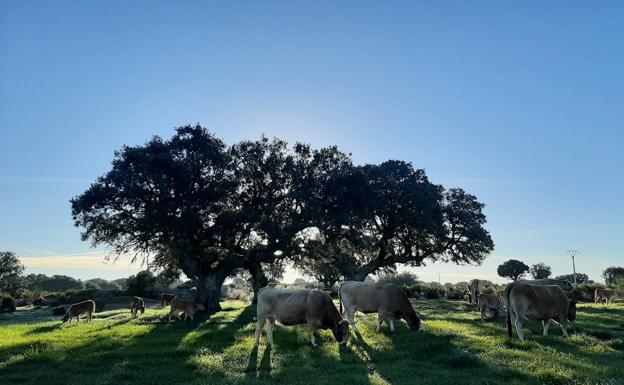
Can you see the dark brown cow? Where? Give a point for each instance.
(75, 310)
(389, 302)
(537, 303)
(165, 299)
(489, 302)
(603, 294)
(137, 305)
(294, 307)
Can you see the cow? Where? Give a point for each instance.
(603, 294)
(476, 287)
(75, 310)
(489, 302)
(565, 285)
(537, 303)
(137, 305)
(294, 307)
(387, 300)
(189, 308)
(165, 299)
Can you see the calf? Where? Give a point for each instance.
(489, 302)
(75, 310)
(137, 305)
(165, 299)
(294, 307)
(189, 308)
(603, 294)
(537, 303)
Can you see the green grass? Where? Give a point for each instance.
(455, 348)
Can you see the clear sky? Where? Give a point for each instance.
(520, 103)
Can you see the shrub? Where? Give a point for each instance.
(431, 293)
(7, 305)
(455, 292)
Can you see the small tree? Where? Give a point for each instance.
(402, 279)
(11, 270)
(513, 269)
(540, 271)
(580, 278)
(613, 274)
(137, 284)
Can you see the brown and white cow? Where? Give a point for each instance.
(294, 307)
(476, 287)
(489, 302)
(77, 309)
(188, 308)
(603, 294)
(137, 305)
(165, 299)
(537, 303)
(389, 302)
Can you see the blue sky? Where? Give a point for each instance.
(518, 103)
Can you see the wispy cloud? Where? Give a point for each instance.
(88, 260)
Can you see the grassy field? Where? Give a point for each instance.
(455, 348)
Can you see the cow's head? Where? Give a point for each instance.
(66, 317)
(572, 311)
(341, 331)
(413, 320)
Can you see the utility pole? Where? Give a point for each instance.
(573, 253)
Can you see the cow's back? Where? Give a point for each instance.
(538, 302)
(287, 306)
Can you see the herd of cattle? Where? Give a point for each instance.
(542, 300)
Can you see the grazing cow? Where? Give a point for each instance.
(603, 294)
(489, 302)
(537, 303)
(565, 285)
(165, 299)
(75, 310)
(294, 307)
(137, 305)
(389, 302)
(189, 308)
(476, 287)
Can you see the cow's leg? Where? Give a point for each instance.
(564, 326)
(379, 321)
(191, 315)
(313, 335)
(170, 314)
(518, 322)
(350, 315)
(259, 327)
(546, 323)
(78, 317)
(391, 322)
(270, 326)
(482, 314)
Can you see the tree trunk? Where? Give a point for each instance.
(209, 291)
(258, 279)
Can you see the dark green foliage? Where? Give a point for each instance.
(7, 304)
(580, 278)
(512, 269)
(54, 283)
(612, 274)
(11, 270)
(138, 284)
(400, 279)
(540, 271)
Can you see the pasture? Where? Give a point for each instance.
(454, 348)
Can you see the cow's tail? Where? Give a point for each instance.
(507, 291)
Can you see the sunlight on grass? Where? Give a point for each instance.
(456, 347)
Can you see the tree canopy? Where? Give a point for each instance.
(540, 271)
(195, 205)
(512, 269)
(612, 274)
(11, 273)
